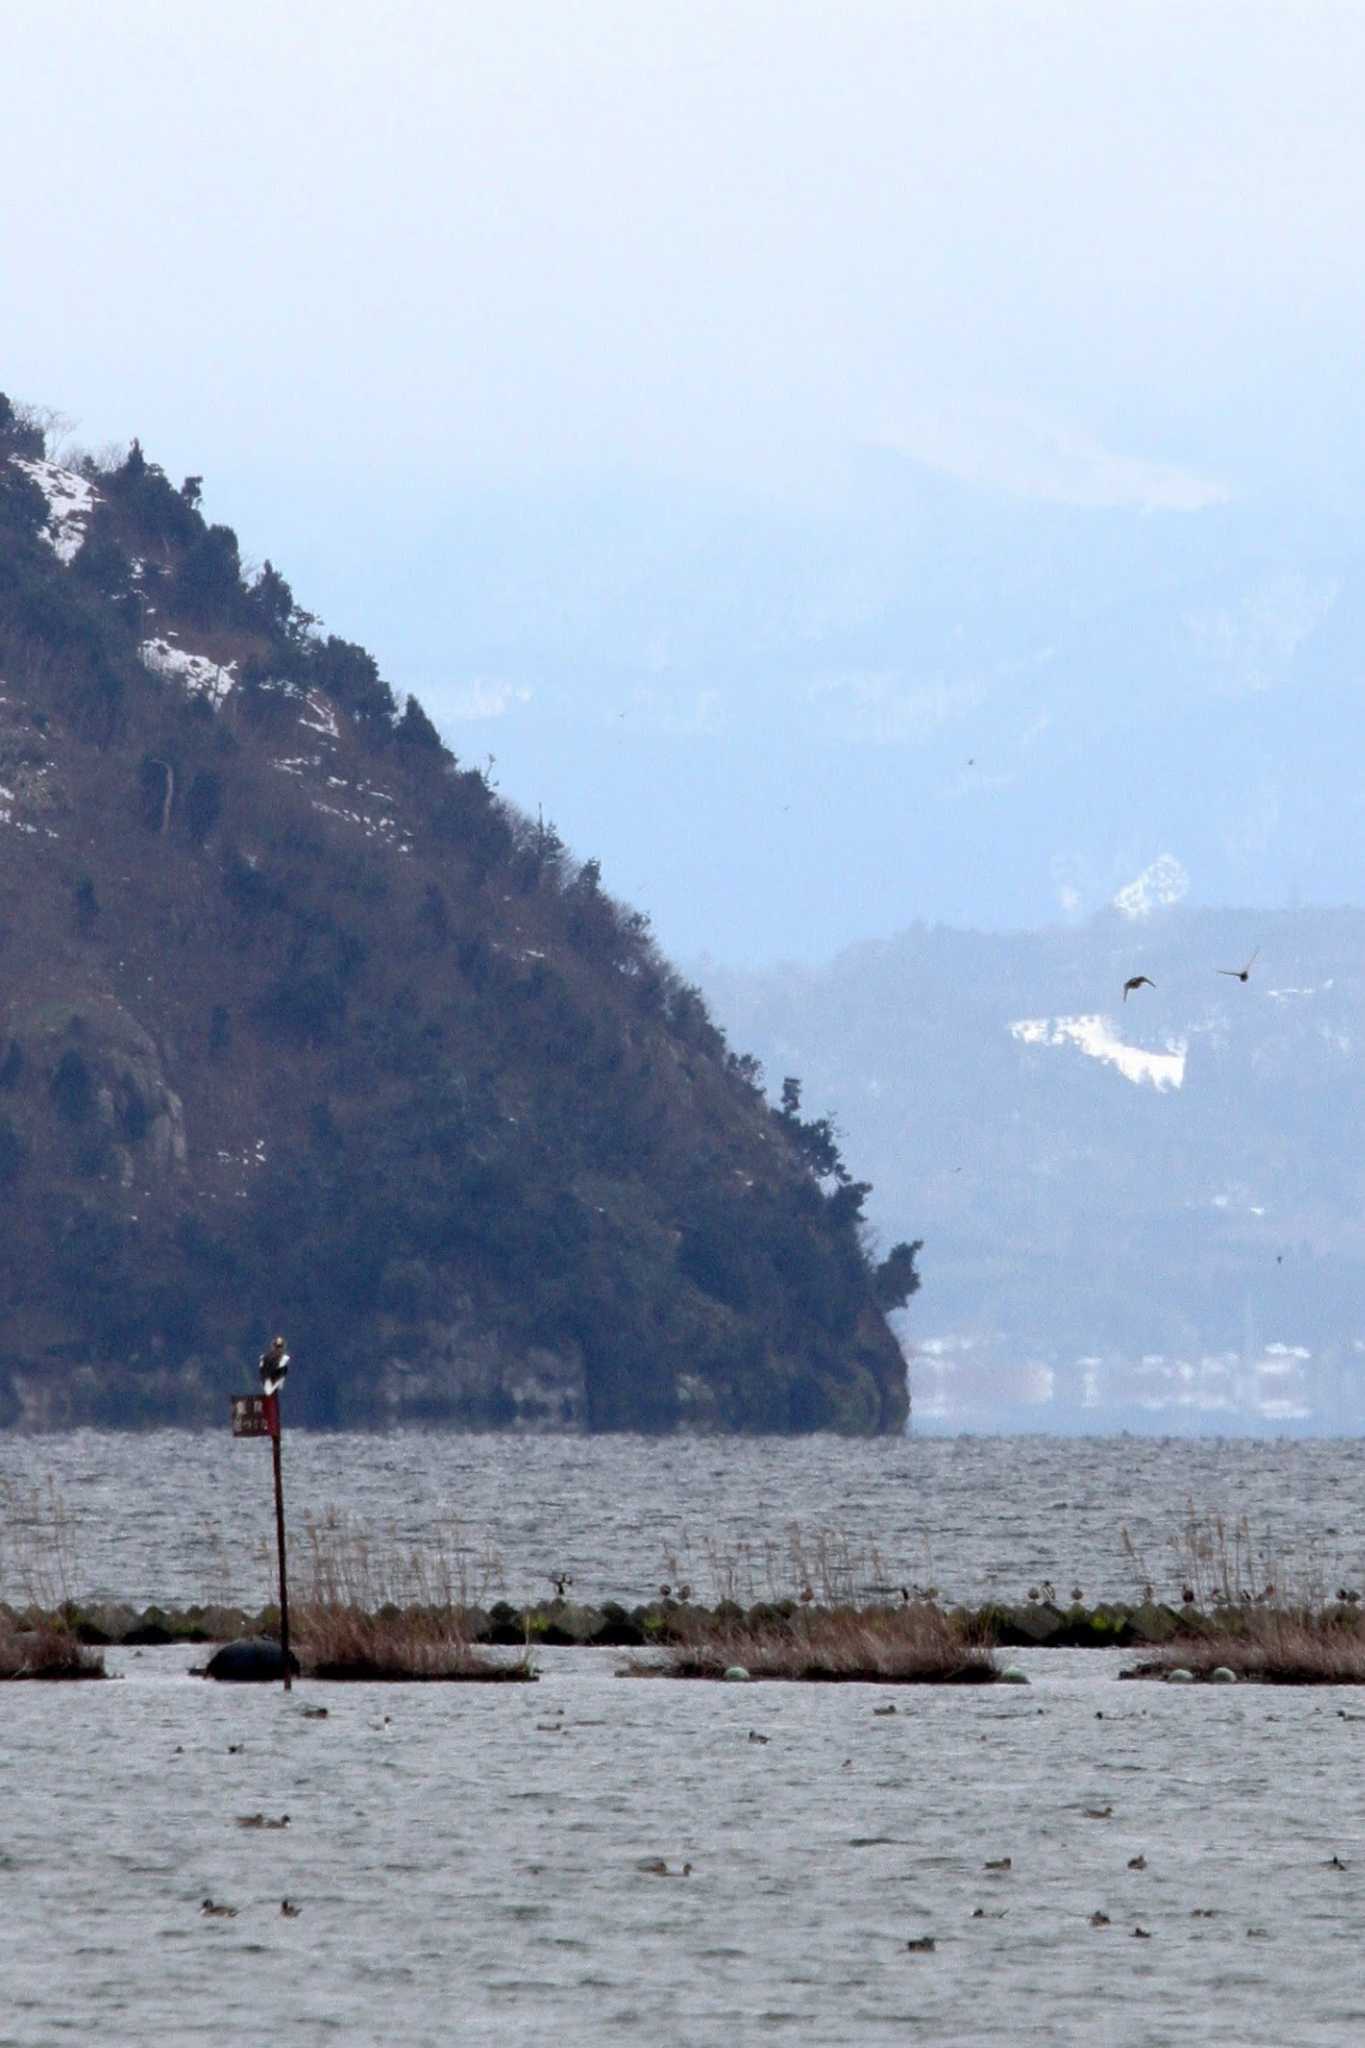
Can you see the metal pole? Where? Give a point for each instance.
(279, 1537)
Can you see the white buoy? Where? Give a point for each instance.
(1224, 1675)
(1180, 1676)
(736, 1673)
(1012, 1675)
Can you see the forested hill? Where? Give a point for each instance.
(303, 1027)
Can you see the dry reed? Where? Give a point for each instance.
(1279, 1647)
(37, 1547)
(45, 1652)
(370, 1609)
(1216, 1561)
(912, 1644)
(815, 1560)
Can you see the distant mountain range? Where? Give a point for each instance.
(899, 695)
(1144, 1213)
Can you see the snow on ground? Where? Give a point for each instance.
(323, 719)
(7, 817)
(70, 501)
(387, 829)
(319, 717)
(1163, 883)
(200, 676)
(1096, 1036)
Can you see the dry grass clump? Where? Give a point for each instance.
(45, 1652)
(1256, 1611)
(407, 1643)
(1326, 1647)
(366, 1609)
(914, 1644)
(37, 1570)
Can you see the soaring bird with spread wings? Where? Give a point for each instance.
(274, 1366)
(1238, 973)
(1136, 981)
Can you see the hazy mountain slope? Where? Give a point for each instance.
(302, 1026)
(1144, 1210)
(892, 696)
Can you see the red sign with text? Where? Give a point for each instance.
(255, 1414)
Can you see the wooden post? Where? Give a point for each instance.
(273, 1410)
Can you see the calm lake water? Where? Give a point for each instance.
(179, 1516)
(466, 1862)
(466, 1859)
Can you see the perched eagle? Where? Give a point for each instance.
(274, 1366)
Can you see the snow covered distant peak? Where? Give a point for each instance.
(200, 676)
(70, 501)
(1096, 1036)
(1164, 882)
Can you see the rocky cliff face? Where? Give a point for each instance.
(303, 1027)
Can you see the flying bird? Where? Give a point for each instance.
(274, 1366)
(1136, 981)
(1239, 973)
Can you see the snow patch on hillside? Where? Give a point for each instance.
(385, 828)
(1096, 1037)
(200, 676)
(323, 719)
(1163, 883)
(7, 817)
(70, 501)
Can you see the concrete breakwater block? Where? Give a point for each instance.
(1041, 1624)
(255, 1660)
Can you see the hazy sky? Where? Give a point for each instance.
(358, 264)
(506, 238)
